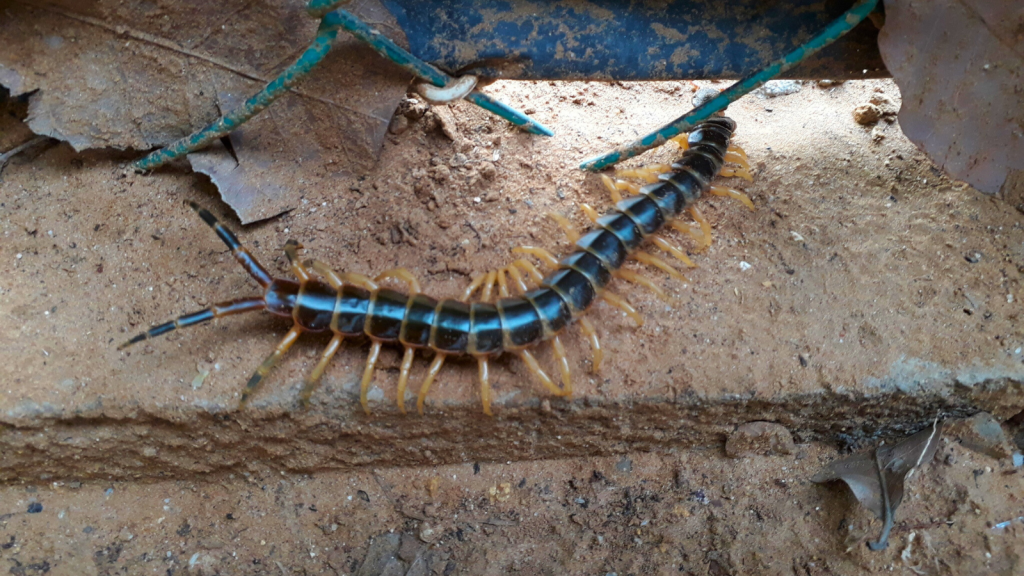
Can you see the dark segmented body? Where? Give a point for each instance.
(455, 327)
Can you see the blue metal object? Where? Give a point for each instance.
(330, 24)
(340, 19)
(628, 39)
(508, 113)
(684, 123)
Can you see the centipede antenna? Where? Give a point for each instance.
(254, 382)
(218, 310)
(240, 253)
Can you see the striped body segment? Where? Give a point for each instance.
(349, 305)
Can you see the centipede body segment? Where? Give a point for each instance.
(508, 316)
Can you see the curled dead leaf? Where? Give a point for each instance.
(877, 478)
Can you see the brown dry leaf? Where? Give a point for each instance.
(877, 478)
(138, 75)
(960, 68)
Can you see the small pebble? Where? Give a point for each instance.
(35, 508)
(866, 114)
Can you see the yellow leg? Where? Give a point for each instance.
(612, 189)
(563, 365)
(638, 279)
(685, 228)
(565, 225)
(676, 252)
(264, 369)
(595, 344)
(314, 376)
(530, 269)
(363, 282)
(735, 148)
(534, 367)
(738, 159)
(683, 140)
(705, 226)
(592, 214)
(403, 377)
(617, 301)
(652, 260)
(648, 174)
(518, 277)
(502, 285)
(403, 275)
(545, 257)
(338, 280)
(488, 288)
(322, 269)
(734, 194)
(730, 171)
(291, 250)
(435, 367)
(468, 292)
(485, 384)
(364, 386)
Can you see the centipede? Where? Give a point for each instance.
(498, 313)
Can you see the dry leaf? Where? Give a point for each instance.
(139, 75)
(877, 478)
(960, 68)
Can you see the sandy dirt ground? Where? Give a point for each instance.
(674, 513)
(866, 294)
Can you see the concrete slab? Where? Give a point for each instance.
(865, 295)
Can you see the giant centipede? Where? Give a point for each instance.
(352, 305)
